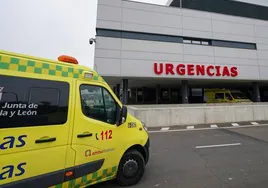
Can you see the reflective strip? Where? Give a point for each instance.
(44, 68)
(96, 177)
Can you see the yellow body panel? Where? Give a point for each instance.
(29, 160)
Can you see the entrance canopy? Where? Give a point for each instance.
(134, 82)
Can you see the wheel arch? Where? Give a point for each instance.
(138, 148)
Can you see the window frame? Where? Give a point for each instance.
(102, 92)
(134, 35)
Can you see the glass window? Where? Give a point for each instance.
(174, 39)
(205, 42)
(228, 96)
(197, 92)
(109, 33)
(234, 44)
(151, 37)
(32, 102)
(241, 8)
(219, 96)
(97, 103)
(50, 99)
(187, 41)
(139, 35)
(238, 95)
(110, 107)
(196, 42)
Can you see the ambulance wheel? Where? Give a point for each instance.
(131, 168)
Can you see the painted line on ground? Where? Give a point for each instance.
(201, 129)
(214, 126)
(190, 127)
(219, 145)
(254, 123)
(164, 128)
(235, 124)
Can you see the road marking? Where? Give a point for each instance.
(254, 123)
(214, 126)
(202, 129)
(165, 129)
(190, 127)
(235, 124)
(220, 145)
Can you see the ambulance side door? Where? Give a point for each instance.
(34, 128)
(95, 135)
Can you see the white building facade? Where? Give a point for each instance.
(169, 54)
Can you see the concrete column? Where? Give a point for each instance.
(125, 91)
(256, 92)
(131, 93)
(143, 93)
(169, 95)
(157, 94)
(117, 92)
(203, 95)
(184, 92)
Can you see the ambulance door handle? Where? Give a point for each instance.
(44, 140)
(83, 135)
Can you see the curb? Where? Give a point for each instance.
(207, 126)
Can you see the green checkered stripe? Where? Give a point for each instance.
(94, 178)
(38, 67)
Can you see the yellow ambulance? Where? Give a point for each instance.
(217, 95)
(61, 125)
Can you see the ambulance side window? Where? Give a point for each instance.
(98, 104)
(32, 102)
(110, 107)
(219, 96)
(228, 96)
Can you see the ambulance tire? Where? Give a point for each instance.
(131, 168)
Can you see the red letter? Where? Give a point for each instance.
(218, 69)
(208, 70)
(225, 71)
(169, 69)
(156, 70)
(182, 70)
(190, 69)
(200, 69)
(234, 72)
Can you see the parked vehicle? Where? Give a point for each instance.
(224, 96)
(62, 126)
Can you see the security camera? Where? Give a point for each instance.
(91, 41)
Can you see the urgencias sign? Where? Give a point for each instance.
(192, 70)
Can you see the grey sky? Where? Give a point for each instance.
(50, 28)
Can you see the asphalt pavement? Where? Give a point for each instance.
(210, 158)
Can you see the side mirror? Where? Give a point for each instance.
(124, 114)
(121, 115)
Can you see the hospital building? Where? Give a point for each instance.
(169, 54)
